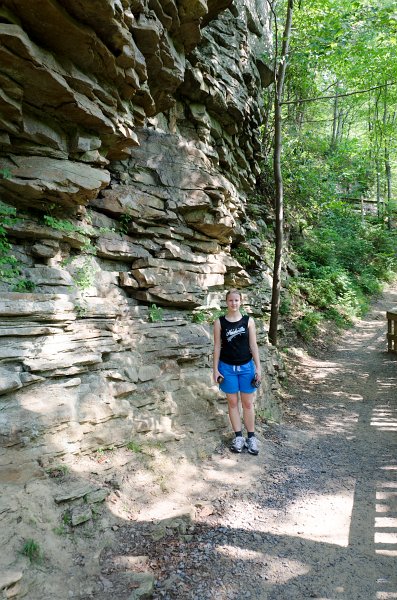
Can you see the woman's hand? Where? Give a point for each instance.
(216, 376)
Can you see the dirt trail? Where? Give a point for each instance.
(315, 515)
(342, 469)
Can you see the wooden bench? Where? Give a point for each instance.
(391, 331)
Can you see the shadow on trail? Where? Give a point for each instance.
(217, 562)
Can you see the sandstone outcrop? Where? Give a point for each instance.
(130, 151)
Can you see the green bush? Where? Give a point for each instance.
(206, 315)
(285, 305)
(32, 551)
(243, 256)
(24, 285)
(342, 262)
(9, 269)
(155, 313)
(307, 325)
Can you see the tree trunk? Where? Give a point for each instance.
(388, 123)
(335, 120)
(388, 187)
(378, 143)
(278, 178)
(339, 128)
(378, 194)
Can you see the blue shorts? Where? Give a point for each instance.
(237, 377)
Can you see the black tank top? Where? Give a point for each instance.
(235, 349)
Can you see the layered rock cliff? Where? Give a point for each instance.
(129, 159)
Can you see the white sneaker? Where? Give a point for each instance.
(252, 445)
(237, 444)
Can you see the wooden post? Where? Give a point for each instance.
(391, 331)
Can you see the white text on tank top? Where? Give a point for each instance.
(231, 333)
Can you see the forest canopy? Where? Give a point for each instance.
(339, 154)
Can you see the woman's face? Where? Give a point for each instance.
(233, 302)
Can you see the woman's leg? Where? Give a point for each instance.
(234, 413)
(247, 400)
(238, 444)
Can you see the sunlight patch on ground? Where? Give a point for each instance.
(386, 543)
(385, 427)
(384, 418)
(384, 552)
(271, 566)
(355, 397)
(382, 508)
(383, 522)
(388, 495)
(385, 536)
(323, 518)
(243, 553)
(233, 469)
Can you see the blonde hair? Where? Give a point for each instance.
(233, 291)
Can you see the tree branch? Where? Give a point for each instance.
(376, 87)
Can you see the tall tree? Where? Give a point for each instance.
(278, 177)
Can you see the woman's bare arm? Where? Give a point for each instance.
(254, 347)
(217, 348)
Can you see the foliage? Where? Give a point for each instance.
(9, 269)
(5, 173)
(24, 285)
(243, 256)
(84, 275)
(339, 144)
(124, 223)
(134, 447)
(342, 261)
(285, 304)
(207, 315)
(307, 326)
(57, 471)
(81, 308)
(339, 152)
(155, 313)
(67, 225)
(314, 177)
(31, 549)
(67, 518)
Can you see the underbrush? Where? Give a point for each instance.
(342, 263)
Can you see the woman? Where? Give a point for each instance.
(237, 368)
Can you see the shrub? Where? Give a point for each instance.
(307, 326)
(342, 262)
(155, 313)
(31, 549)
